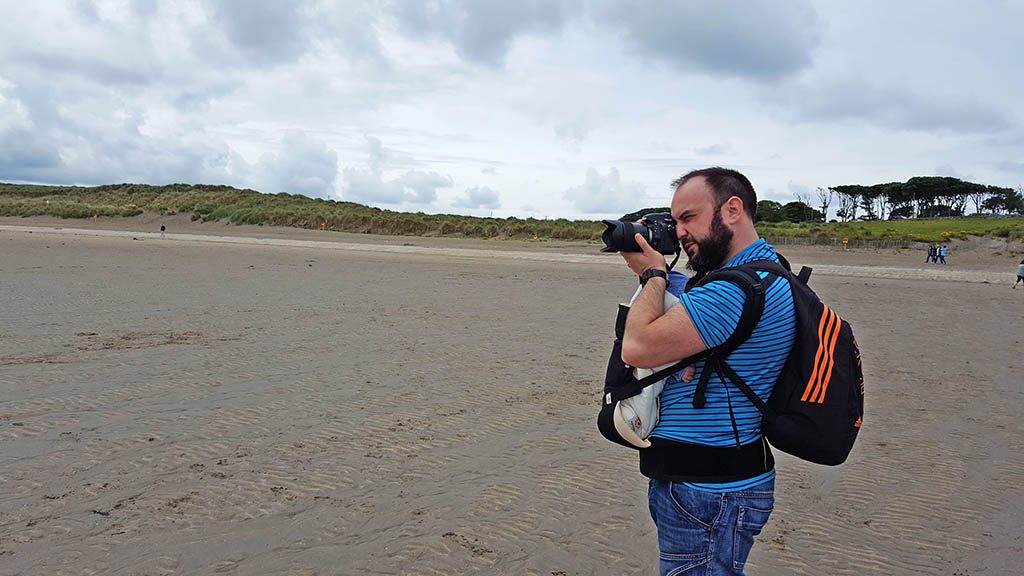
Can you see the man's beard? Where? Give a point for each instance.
(712, 250)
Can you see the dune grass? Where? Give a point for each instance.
(216, 203)
(930, 230)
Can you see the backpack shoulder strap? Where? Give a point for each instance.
(753, 304)
(781, 268)
(754, 288)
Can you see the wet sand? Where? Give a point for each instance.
(320, 405)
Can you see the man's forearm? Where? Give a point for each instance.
(648, 306)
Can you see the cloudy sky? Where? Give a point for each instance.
(542, 108)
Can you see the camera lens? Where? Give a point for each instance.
(619, 236)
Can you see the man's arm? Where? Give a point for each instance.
(653, 337)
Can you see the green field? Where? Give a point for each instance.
(223, 203)
(924, 230)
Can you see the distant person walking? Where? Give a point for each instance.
(1020, 275)
(942, 254)
(931, 253)
(163, 229)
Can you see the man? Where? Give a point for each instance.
(942, 253)
(712, 475)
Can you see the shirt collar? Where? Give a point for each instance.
(759, 250)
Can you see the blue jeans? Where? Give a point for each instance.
(707, 533)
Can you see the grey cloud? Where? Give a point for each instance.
(947, 170)
(353, 27)
(477, 198)
(368, 187)
(890, 108)
(481, 32)
(197, 98)
(605, 193)
(103, 49)
(86, 9)
(95, 144)
(88, 157)
(303, 165)
(382, 158)
(145, 8)
(1011, 166)
(40, 101)
(26, 156)
(572, 130)
(265, 31)
(94, 67)
(421, 187)
(713, 150)
(371, 187)
(761, 39)
(415, 187)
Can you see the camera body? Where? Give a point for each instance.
(659, 229)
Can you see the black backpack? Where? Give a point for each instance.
(817, 405)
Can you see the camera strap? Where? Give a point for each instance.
(676, 259)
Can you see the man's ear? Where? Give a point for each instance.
(732, 210)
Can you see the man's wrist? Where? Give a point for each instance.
(652, 273)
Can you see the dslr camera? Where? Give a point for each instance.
(659, 230)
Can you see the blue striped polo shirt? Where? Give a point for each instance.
(715, 309)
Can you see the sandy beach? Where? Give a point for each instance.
(245, 400)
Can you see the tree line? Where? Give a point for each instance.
(919, 197)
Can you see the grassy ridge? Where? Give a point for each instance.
(212, 203)
(930, 230)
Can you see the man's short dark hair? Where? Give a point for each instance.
(724, 183)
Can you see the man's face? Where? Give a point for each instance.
(706, 240)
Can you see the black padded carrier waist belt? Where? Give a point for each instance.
(671, 461)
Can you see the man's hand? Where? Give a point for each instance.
(638, 262)
(688, 373)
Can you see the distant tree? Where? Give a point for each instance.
(905, 211)
(1005, 201)
(845, 210)
(953, 193)
(849, 200)
(938, 211)
(867, 197)
(979, 194)
(800, 212)
(893, 197)
(634, 216)
(802, 197)
(769, 211)
(824, 199)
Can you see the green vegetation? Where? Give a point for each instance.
(214, 203)
(217, 203)
(931, 230)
